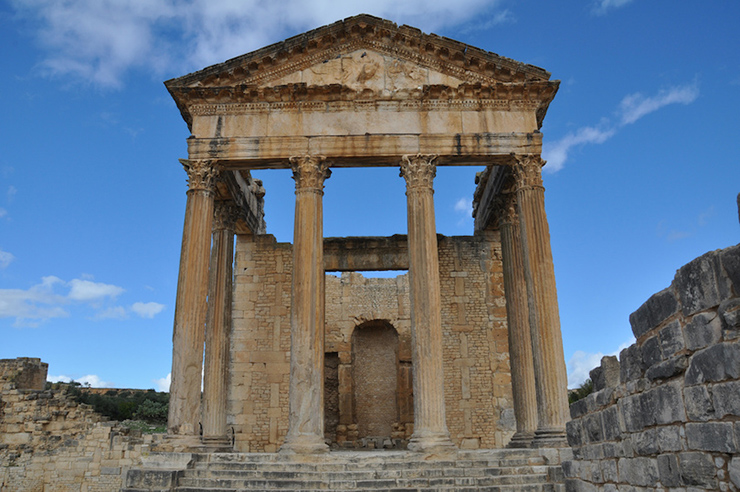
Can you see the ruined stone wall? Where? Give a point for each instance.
(475, 342)
(50, 443)
(667, 415)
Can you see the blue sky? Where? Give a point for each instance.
(642, 172)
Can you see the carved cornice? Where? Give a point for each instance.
(363, 32)
(527, 171)
(202, 174)
(310, 172)
(418, 171)
(225, 215)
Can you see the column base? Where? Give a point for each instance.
(550, 438)
(305, 444)
(431, 443)
(521, 440)
(183, 443)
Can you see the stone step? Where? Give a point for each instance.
(318, 482)
(276, 472)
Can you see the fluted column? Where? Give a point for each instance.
(190, 308)
(430, 426)
(547, 343)
(218, 324)
(306, 418)
(517, 315)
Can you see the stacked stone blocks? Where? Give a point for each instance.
(667, 414)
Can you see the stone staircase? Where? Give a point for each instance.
(466, 471)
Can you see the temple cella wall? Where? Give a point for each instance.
(666, 416)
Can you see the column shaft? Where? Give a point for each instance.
(430, 426)
(190, 307)
(547, 343)
(306, 419)
(517, 314)
(218, 325)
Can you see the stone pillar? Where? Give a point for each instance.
(430, 426)
(218, 325)
(547, 343)
(190, 306)
(306, 418)
(517, 315)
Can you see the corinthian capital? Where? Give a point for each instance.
(225, 215)
(418, 170)
(202, 174)
(507, 211)
(527, 171)
(310, 172)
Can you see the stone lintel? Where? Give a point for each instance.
(370, 150)
(490, 184)
(248, 195)
(348, 254)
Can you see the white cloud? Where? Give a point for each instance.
(101, 40)
(464, 207)
(635, 106)
(114, 312)
(602, 6)
(44, 301)
(90, 380)
(581, 363)
(556, 153)
(3, 212)
(147, 309)
(86, 290)
(12, 191)
(163, 384)
(631, 109)
(5, 259)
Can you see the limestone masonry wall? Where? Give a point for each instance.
(667, 414)
(475, 344)
(50, 443)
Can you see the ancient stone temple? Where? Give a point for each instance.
(464, 351)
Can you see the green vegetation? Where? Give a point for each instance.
(147, 406)
(585, 389)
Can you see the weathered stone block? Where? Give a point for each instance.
(593, 427)
(669, 438)
(668, 470)
(633, 413)
(668, 369)
(734, 469)
(697, 469)
(655, 310)
(729, 312)
(630, 364)
(671, 339)
(597, 378)
(609, 470)
(726, 398)
(703, 330)
(711, 436)
(716, 363)
(697, 284)
(578, 409)
(646, 443)
(730, 259)
(651, 352)
(698, 403)
(669, 406)
(574, 432)
(605, 397)
(639, 471)
(612, 427)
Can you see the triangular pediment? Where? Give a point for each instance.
(359, 51)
